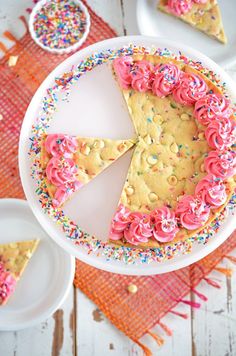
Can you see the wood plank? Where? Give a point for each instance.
(9, 19)
(97, 336)
(214, 325)
(107, 9)
(53, 337)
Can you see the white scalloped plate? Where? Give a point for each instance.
(96, 108)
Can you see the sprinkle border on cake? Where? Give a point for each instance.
(71, 230)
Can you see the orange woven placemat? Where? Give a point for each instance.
(134, 314)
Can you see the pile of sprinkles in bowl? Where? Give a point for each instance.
(71, 229)
(59, 24)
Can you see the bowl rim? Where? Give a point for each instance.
(69, 49)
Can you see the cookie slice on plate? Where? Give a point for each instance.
(71, 162)
(204, 15)
(14, 257)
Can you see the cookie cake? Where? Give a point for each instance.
(182, 171)
(14, 258)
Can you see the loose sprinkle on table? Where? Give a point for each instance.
(59, 24)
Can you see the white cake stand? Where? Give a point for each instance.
(96, 108)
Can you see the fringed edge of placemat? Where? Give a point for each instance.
(228, 272)
(9, 35)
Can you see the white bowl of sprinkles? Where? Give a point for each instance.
(59, 26)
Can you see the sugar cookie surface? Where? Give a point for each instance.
(169, 154)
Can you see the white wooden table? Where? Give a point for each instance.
(79, 328)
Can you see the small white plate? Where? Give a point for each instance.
(48, 277)
(152, 22)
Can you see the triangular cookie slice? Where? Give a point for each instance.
(206, 17)
(71, 162)
(14, 258)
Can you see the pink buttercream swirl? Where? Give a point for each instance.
(139, 229)
(212, 190)
(221, 163)
(221, 134)
(192, 212)
(142, 76)
(165, 79)
(61, 145)
(133, 226)
(61, 170)
(122, 67)
(179, 7)
(63, 192)
(212, 107)
(191, 88)
(164, 224)
(119, 222)
(7, 284)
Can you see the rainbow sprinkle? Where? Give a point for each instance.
(59, 24)
(71, 229)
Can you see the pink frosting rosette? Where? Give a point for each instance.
(63, 192)
(192, 212)
(122, 67)
(221, 134)
(142, 76)
(221, 164)
(164, 224)
(212, 190)
(179, 7)
(119, 223)
(61, 145)
(139, 229)
(7, 283)
(165, 79)
(200, 1)
(212, 107)
(191, 88)
(61, 170)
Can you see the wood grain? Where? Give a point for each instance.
(78, 328)
(58, 333)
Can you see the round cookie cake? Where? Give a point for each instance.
(182, 171)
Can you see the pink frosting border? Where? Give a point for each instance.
(7, 284)
(192, 212)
